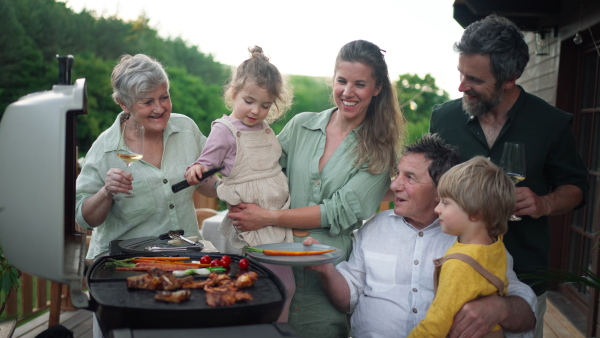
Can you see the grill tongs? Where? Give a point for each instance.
(177, 235)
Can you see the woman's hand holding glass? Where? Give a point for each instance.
(118, 181)
(130, 150)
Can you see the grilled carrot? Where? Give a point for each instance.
(169, 268)
(287, 253)
(146, 268)
(180, 266)
(130, 262)
(166, 267)
(163, 258)
(135, 260)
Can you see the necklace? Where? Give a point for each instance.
(125, 117)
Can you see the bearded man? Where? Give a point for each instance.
(495, 110)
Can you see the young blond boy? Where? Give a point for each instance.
(476, 200)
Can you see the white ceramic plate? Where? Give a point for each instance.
(330, 257)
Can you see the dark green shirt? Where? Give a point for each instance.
(551, 161)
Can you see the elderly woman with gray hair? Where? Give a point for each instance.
(172, 141)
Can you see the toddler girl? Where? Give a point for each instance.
(248, 150)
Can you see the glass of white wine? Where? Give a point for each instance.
(513, 164)
(131, 146)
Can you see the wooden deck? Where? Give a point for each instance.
(557, 325)
(80, 322)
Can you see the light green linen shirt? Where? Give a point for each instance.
(346, 195)
(155, 209)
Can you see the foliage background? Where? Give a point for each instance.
(36, 31)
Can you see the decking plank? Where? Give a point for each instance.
(556, 325)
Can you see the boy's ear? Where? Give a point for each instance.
(475, 218)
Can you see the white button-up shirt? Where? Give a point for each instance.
(390, 275)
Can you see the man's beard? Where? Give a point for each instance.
(481, 106)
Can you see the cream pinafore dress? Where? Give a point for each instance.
(256, 177)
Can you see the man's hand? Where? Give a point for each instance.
(323, 268)
(334, 284)
(477, 317)
(529, 203)
(564, 198)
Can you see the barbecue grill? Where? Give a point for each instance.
(38, 235)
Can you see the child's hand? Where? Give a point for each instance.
(194, 174)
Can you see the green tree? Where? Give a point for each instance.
(102, 110)
(196, 63)
(21, 61)
(311, 94)
(192, 97)
(35, 31)
(417, 96)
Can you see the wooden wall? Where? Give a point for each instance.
(541, 74)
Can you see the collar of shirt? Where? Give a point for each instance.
(435, 224)
(320, 121)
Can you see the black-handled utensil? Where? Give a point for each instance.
(184, 184)
(152, 239)
(166, 235)
(176, 248)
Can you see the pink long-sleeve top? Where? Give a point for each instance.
(220, 148)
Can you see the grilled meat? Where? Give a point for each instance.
(246, 280)
(173, 297)
(226, 292)
(157, 279)
(224, 295)
(214, 279)
(220, 289)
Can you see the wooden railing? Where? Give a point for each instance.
(32, 296)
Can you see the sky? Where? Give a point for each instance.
(304, 37)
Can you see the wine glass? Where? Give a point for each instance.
(513, 164)
(131, 146)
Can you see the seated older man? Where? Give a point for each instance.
(387, 284)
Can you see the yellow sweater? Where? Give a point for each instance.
(459, 283)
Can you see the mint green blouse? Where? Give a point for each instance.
(155, 209)
(346, 195)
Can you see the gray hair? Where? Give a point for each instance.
(134, 76)
(442, 156)
(502, 40)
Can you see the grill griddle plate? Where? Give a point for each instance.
(118, 307)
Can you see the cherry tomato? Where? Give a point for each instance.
(225, 260)
(215, 262)
(244, 263)
(205, 260)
